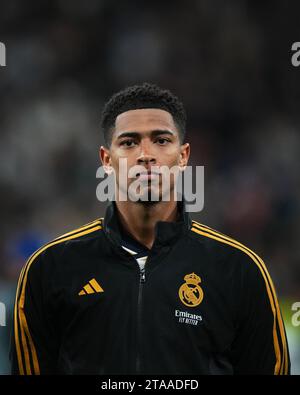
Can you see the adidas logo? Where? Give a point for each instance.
(91, 288)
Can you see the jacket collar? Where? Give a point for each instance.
(166, 233)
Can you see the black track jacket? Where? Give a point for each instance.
(205, 304)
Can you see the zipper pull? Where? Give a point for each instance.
(142, 275)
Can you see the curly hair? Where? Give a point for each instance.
(141, 96)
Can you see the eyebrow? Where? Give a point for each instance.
(153, 133)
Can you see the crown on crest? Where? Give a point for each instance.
(192, 279)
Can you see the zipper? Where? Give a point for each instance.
(139, 320)
(142, 280)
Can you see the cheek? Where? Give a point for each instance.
(116, 156)
(122, 162)
(115, 163)
(171, 158)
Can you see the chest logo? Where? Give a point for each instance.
(91, 288)
(190, 293)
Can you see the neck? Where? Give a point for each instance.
(139, 219)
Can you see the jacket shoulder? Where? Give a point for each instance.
(81, 234)
(40, 265)
(85, 231)
(237, 255)
(224, 244)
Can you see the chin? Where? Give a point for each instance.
(150, 196)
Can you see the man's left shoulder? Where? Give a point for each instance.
(226, 246)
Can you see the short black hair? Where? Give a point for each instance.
(141, 96)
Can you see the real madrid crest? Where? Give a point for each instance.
(190, 293)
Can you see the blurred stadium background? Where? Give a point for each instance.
(230, 63)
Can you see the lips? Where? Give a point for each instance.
(147, 175)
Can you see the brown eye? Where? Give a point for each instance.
(162, 141)
(127, 143)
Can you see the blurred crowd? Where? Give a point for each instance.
(229, 62)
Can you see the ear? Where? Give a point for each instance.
(105, 158)
(184, 156)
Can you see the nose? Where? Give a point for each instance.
(146, 157)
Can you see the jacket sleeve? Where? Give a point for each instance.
(33, 345)
(260, 346)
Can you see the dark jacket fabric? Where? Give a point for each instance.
(205, 304)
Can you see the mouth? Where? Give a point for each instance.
(147, 175)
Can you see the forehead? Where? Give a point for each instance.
(143, 120)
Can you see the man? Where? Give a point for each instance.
(146, 289)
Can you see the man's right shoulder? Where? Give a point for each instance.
(82, 234)
(85, 231)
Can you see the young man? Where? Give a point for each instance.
(146, 289)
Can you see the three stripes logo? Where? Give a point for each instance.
(91, 288)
